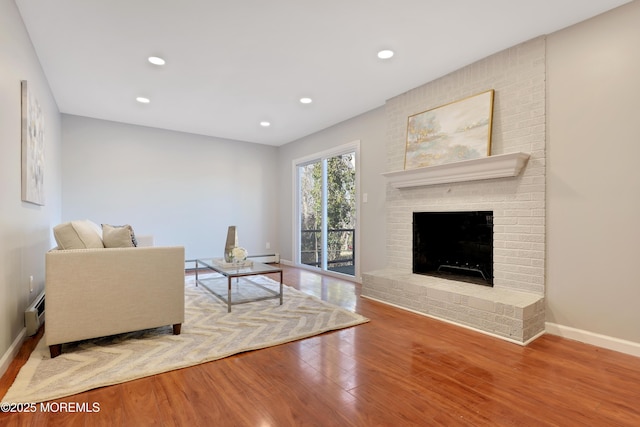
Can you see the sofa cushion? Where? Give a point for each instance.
(81, 234)
(118, 236)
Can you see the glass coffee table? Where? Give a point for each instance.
(237, 272)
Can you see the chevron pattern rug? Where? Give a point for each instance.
(208, 333)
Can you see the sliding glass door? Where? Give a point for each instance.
(327, 211)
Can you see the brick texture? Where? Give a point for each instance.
(518, 77)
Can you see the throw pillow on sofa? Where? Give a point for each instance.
(118, 236)
(82, 234)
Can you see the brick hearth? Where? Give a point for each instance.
(516, 316)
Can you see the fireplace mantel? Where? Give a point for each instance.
(499, 166)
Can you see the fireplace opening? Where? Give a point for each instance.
(454, 245)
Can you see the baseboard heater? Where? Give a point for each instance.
(34, 315)
(265, 259)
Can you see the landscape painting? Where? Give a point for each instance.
(32, 148)
(450, 133)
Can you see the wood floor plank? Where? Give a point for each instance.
(139, 404)
(401, 368)
(172, 392)
(111, 408)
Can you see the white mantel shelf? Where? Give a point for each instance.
(500, 166)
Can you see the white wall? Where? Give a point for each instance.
(370, 129)
(593, 275)
(182, 188)
(25, 228)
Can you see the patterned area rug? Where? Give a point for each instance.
(208, 333)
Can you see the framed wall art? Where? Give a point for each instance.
(32, 148)
(450, 133)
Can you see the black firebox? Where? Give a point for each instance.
(454, 245)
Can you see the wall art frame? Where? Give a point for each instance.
(32, 148)
(458, 131)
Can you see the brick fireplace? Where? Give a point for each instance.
(510, 183)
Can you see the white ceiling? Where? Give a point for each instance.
(233, 63)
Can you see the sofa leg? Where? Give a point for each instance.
(55, 350)
(176, 328)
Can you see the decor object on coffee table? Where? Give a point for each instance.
(233, 253)
(239, 254)
(232, 242)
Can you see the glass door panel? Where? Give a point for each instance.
(340, 215)
(310, 197)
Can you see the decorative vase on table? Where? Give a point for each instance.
(232, 242)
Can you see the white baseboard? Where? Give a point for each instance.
(13, 350)
(604, 341)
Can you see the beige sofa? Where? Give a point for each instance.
(95, 292)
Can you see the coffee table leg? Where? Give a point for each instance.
(196, 273)
(280, 287)
(229, 295)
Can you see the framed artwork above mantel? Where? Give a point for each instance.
(450, 133)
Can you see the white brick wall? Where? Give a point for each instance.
(518, 77)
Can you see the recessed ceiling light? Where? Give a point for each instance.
(265, 124)
(385, 54)
(143, 100)
(306, 100)
(156, 60)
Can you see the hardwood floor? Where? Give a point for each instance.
(399, 369)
